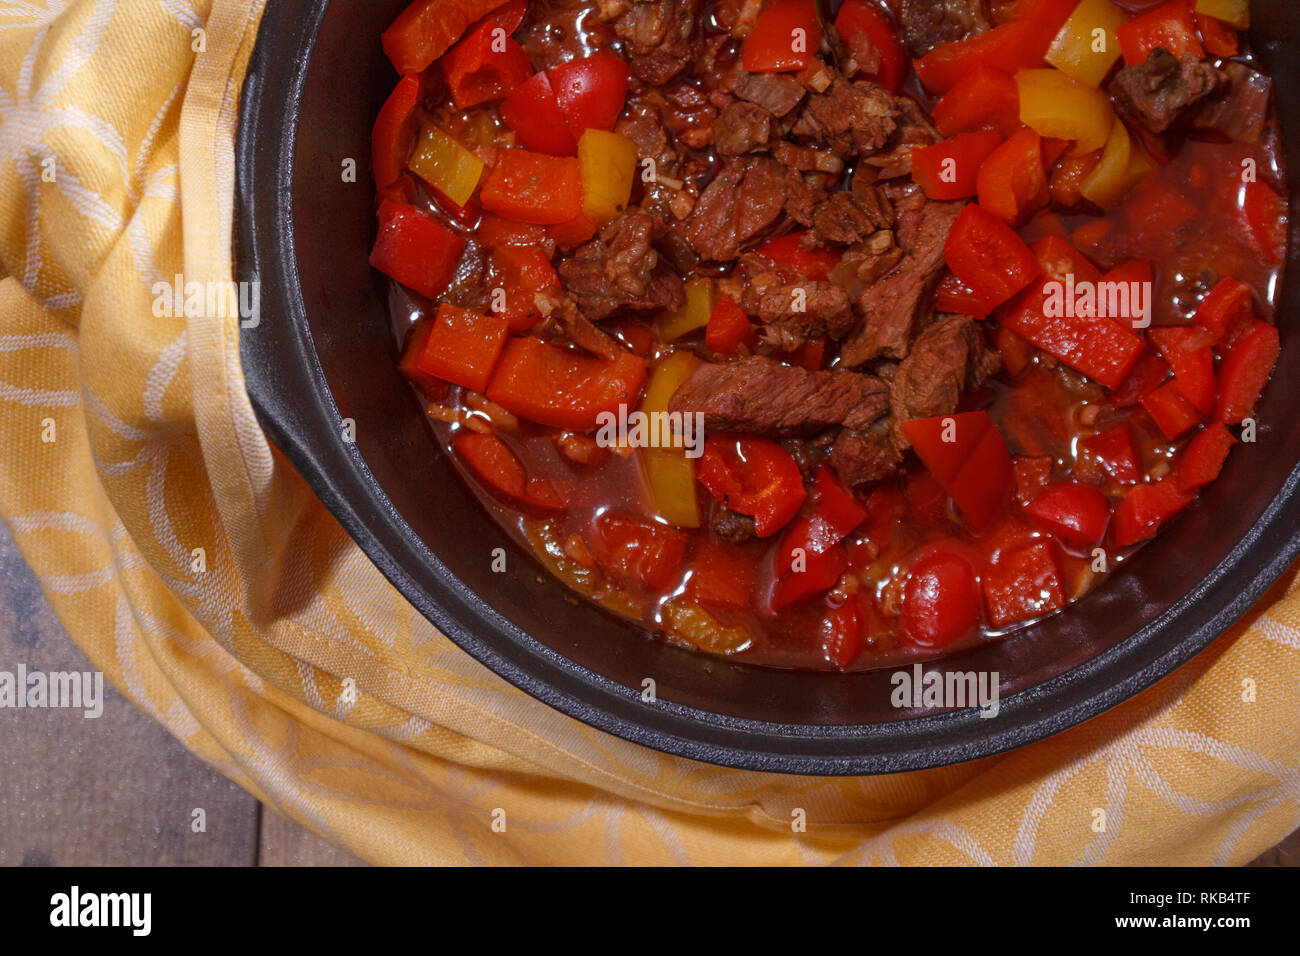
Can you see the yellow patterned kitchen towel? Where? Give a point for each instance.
(193, 565)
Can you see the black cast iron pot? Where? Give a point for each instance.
(324, 353)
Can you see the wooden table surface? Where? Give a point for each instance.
(120, 790)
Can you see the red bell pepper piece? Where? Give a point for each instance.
(631, 549)
(464, 347)
(1076, 514)
(837, 508)
(1245, 371)
(533, 187)
(1194, 378)
(788, 253)
(1265, 214)
(1024, 583)
(949, 170)
(552, 386)
(394, 133)
(752, 476)
(1226, 309)
(986, 254)
(1203, 458)
(809, 557)
(722, 575)
(493, 232)
(884, 509)
(1147, 374)
(1017, 45)
(1017, 354)
(786, 34)
(416, 339)
(1117, 453)
(1169, 25)
(1012, 179)
(1100, 348)
(842, 633)
(485, 66)
(533, 112)
(941, 600)
(501, 470)
(425, 29)
(523, 272)
(1129, 272)
(1053, 13)
(953, 295)
(1174, 414)
(728, 328)
(590, 91)
(986, 97)
(1219, 38)
(573, 232)
(968, 457)
(1033, 474)
(415, 250)
(868, 34)
(1144, 509)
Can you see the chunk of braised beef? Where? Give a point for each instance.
(620, 270)
(847, 217)
(914, 129)
(792, 314)
(928, 23)
(1241, 113)
(1160, 93)
(760, 396)
(565, 321)
(809, 453)
(947, 360)
(862, 456)
(778, 93)
(850, 119)
(730, 526)
(741, 202)
(659, 35)
(889, 311)
(741, 128)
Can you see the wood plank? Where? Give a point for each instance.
(114, 790)
(284, 843)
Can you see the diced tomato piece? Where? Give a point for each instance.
(941, 601)
(752, 476)
(1147, 374)
(1012, 180)
(1173, 414)
(728, 327)
(722, 575)
(1075, 513)
(949, 170)
(986, 254)
(394, 133)
(414, 249)
(1033, 474)
(552, 386)
(631, 549)
(464, 347)
(533, 187)
(478, 72)
(968, 457)
(1203, 458)
(1144, 509)
(1117, 452)
(1024, 583)
(1018, 45)
(1265, 213)
(1245, 371)
(1226, 309)
(785, 35)
(788, 252)
(867, 33)
(590, 91)
(842, 633)
(986, 97)
(533, 112)
(1169, 25)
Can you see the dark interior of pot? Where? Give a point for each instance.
(307, 235)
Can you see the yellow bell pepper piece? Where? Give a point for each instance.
(1053, 104)
(669, 474)
(608, 165)
(1087, 47)
(702, 630)
(691, 316)
(1236, 12)
(1106, 184)
(442, 162)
